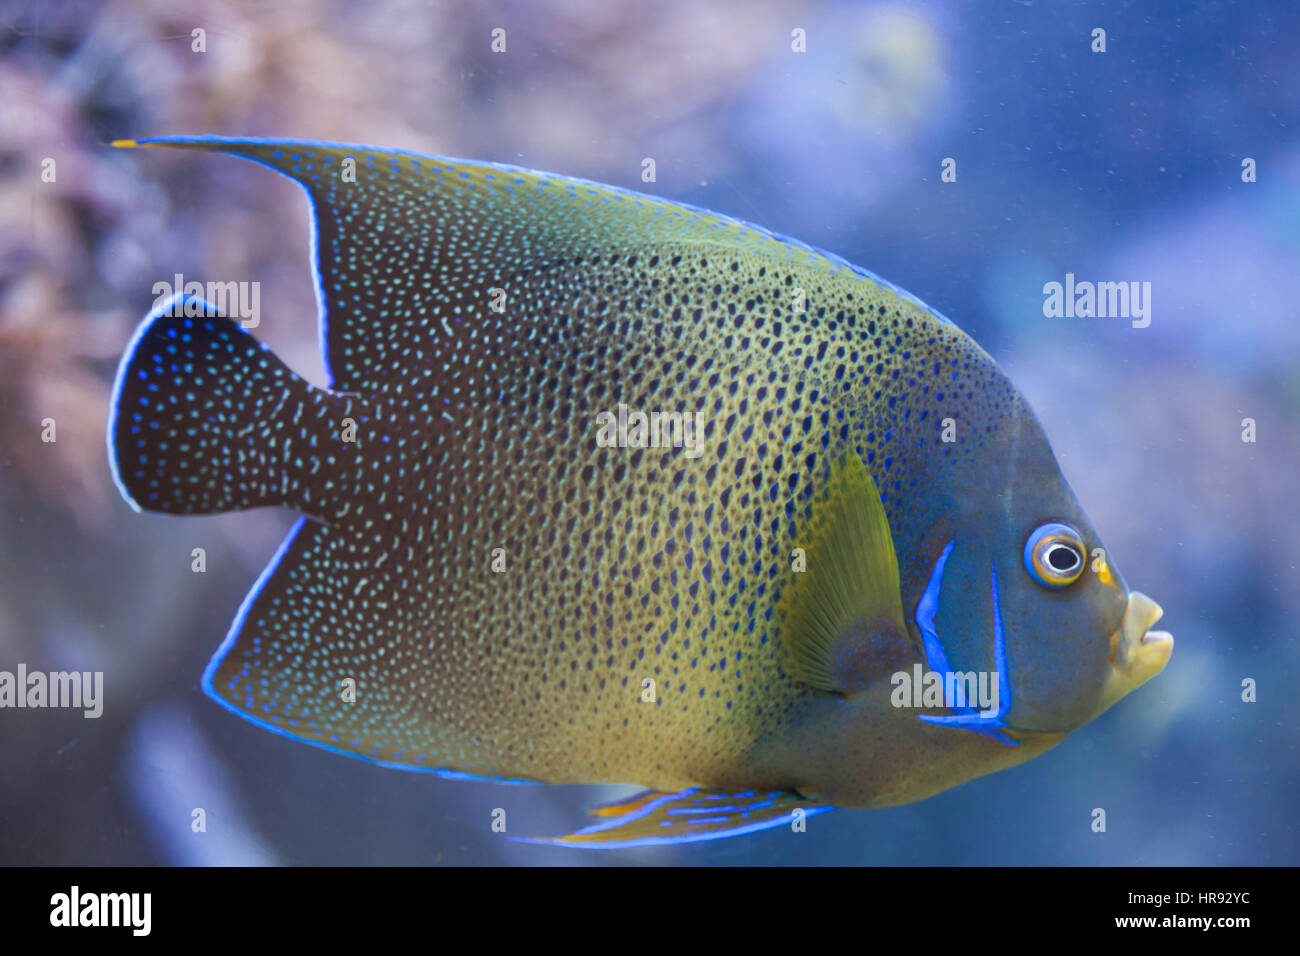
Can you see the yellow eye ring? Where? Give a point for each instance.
(1054, 555)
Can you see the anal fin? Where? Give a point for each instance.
(652, 818)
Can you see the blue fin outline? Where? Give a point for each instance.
(232, 635)
(177, 300)
(648, 808)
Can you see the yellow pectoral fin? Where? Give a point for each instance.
(840, 611)
(664, 819)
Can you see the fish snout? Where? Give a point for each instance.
(1137, 653)
(1135, 645)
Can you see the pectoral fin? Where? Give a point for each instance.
(652, 818)
(842, 617)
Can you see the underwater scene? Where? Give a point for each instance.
(672, 433)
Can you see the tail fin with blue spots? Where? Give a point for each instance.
(205, 418)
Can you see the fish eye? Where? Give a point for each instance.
(1054, 555)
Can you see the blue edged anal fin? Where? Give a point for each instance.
(652, 818)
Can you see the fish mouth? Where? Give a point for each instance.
(1137, 653)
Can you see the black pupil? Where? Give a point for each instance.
(1062, 558)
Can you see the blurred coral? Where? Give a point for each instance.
(46, 374)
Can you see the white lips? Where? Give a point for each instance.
(1137, 652)
(1135, 632)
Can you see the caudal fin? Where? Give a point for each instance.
(205, 418)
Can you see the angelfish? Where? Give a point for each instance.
(478, 587)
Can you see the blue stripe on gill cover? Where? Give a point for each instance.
(968, 718)
(927, 608)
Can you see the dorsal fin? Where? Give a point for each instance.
(842, 617)
(408, 249)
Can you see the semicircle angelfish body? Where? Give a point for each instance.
(504, 571)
